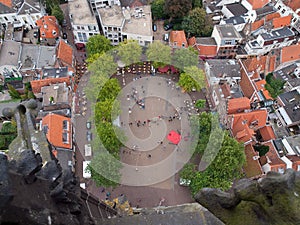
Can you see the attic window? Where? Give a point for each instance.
(65, 138)
(54, 32)
(45, 129)
(66, 125)
(43, 34)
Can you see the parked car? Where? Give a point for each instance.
(65, 36)
(89, 136)
(88, 125)
(154, 27)
(168, 27)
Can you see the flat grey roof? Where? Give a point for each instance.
(228, 31)
(206, 41)
(59, 92)
(236, 9)
(111, 16)
(139, 25)
(279, 33)
(235, 20)
(218, 67)
(9, 54)
(292, 104)
(261, 12)
(47, 56)
(81, 13)
(29, 56)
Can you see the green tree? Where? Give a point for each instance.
(274, 86)
(110, 90)
(159, 54)
(197, 23)
(58, 13)
(157, 9)
(105, 170)
(177, 8)
(200, 104)
(192, 79)
(130, 52)
(98, 44)
(196, 3)
(188, 171)
(185, 57)
(226, 167)
(261, 149)
(14, 94)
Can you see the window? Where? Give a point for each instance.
(84, 37)
(227, 42)
(283, 11)
(65, 137)
(66, 125)
(45, 129)
(5, 18)
(298, 168)
(80, 37)
(78, 27)
(280, 170)
(279, 7)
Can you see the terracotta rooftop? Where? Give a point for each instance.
(177, 38)
(205, 46)
(293, 4)
(256, 4)
(58, 130)
(260, 86)
(252, 167)
(282, 21)
(65, 53)
(38, 84)
(48, 27)
(244, 124)
(273, 156)
(290, 53)
(267, 133)
(272, 16)
(257, 24)
(238, 105)
(8, 3)
(246, 85)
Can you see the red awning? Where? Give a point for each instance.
(164, 69)
(174, 137)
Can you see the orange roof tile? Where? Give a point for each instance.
(272, 155)
(282, 21)
(208, 50)
(272, 16)
(267, 133)
(38, 84)
(192, 41)
(8, 3)
(246, 85)
(177, 38)
(56, 133)
(256, 4)
(225, 90)
(257, 24)
(238, 105)
(252, 167)
(290, 53)
(293, 4)
(65, 53)
(295, 160)
(243, 124)
(272, 63)
(48, 27)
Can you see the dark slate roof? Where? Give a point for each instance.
(30, 5)
(262, 12)
(287, 96)
(236, 9)
(55, 72)
(287, 73)
(292, 104)
(230, 67)
(206, 41)
(235, 20)
(276, 34)
(5, 9)
(188, 214)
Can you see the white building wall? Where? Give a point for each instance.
(226, 12)
(140, 38)
(7, 18)
(215, 34)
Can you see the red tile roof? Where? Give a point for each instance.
(244, 124)
(208, 50)
(260, 86)
(272, 16)
(48, 27)
(293, 4)
(56, 131)
(225, 90)
(178, 39)
(8, 3)
(267, 133)
(252, 167)
(246, 85)
(38, 84)
(65, 53)
(282, 21)
(257, 24)
(295, 160)
(238, 105)
(273, 158)
(290, 53)
(256, 4)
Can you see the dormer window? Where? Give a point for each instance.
(54, 32)
(66, 125)
(65, 138)
(43, 34)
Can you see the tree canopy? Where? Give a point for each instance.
(274, 86)
(177, 8)
(98, 44)
(197, 23)
(129, 52)
(192, 79)
(159, 54)
(157, 9)
(58, 13)
(185, 57)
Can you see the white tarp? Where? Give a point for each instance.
(85, 173)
